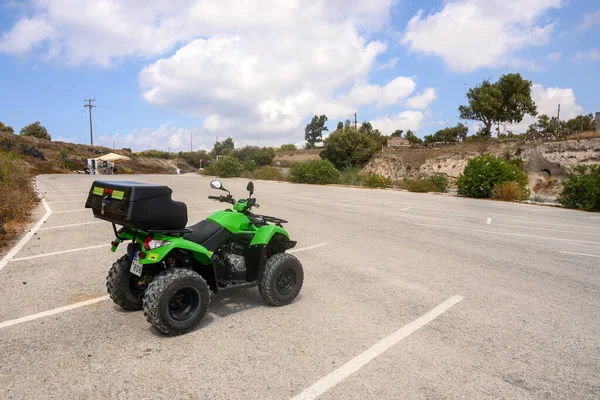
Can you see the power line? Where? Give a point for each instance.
(90, 106)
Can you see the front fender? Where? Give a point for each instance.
(264, 234)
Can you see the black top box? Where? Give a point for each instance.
(137, 205)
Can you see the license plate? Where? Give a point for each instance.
(136, 267)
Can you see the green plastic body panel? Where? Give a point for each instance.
(265, 233)
(233, 221)
(156, 255)
(240, 205)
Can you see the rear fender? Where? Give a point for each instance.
(200, 253)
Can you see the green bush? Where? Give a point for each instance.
(439, 181)
(266, 173)
(288, 147)
(320, 172)
(250, 165)
(484, 172)
(164, 155)
(350, 176)
(581, 189)
(226, 167)
(373, 180)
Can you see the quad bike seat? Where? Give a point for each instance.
(203, 232)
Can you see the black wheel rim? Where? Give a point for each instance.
(183, 304)
(286, 281)
(135, 288)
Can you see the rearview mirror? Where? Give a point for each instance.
(216, 185)
(250, 187)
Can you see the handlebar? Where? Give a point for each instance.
(214, 197)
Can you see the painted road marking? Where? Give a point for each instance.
(352, 366)
(548, 229)
(579, 254)
(406, 209)
(510, 234)
(307, 248)
(60, 252)
(58, 310)
(25, 239)
(68, 211)
(489, 221)
(70, 225)
(67, 201)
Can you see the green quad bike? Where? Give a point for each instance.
(169, 270)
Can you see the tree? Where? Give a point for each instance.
(6, 128)
(36, 130)
(224, 147)
(367, 129)
(313, 133)
(349, 147)
(506, 101)
(412, 138)
(397, 133)
(340, 126)
(581, 123)
(261, 156)
(454, 134)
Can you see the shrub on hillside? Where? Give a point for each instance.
(226, 167)
(350, 176)
(439, 181)
(320, 172)
(16, 195)
(373, 180)
(164, 155)
(484, 172)
(349, 148)
(581, 189)
(266, 173)
(288, 147)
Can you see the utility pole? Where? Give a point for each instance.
(355, 122)
(558, 121)
(191, 142)
(90, 106)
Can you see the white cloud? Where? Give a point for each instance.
(390, 64)
(472, 34)
(405, 120)
(592, 55)
(547, 101)
(554, 56)
(422, 101)
(590, 19)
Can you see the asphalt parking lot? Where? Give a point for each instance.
(406, 296)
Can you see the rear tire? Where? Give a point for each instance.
(121, 286)
(282, 279)
(176, 300)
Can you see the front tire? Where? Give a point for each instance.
(176, 300)
(122, 286)
(282, 279)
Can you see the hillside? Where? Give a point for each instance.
(48, 157)
(546, 163)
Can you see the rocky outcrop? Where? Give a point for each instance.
(546, 163)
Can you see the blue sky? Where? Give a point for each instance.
(258, 70)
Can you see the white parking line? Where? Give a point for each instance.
(335, 377)
(58, 310)
(489, 221)
(579, 254)
(9, 257)
(66, 201)
(547, 229)
(307, 248)
(509, 234)
(406, 209)
(68, 211)
(70, 225)
(60, 252)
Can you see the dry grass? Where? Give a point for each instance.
(17, 196)
(584, 135)
(508, 191)
(287, 158)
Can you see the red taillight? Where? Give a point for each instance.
(147, 242)
(108, 192)
(142, 255)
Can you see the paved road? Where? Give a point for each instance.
(528, 325)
